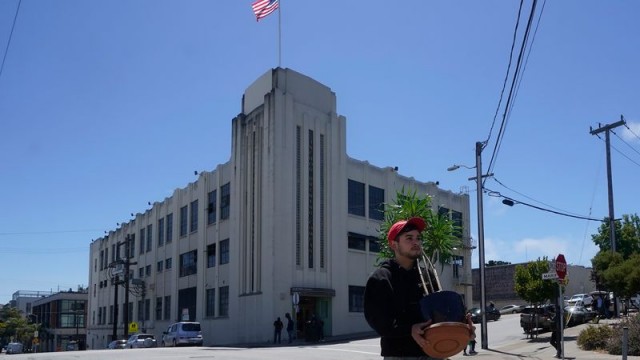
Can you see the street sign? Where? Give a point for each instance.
(561, 266)
(549, 276)
(133, 327)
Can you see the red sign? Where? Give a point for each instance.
(561, 267)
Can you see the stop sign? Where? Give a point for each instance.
(561, 266)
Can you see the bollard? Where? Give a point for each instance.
(625, 342)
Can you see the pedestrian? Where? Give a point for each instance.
(289, 327)
(277, 330)
(472, 341)
(392, 294)
(555, 331)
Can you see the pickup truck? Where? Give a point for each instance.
(537, 318)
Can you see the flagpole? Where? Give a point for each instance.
(279, 34)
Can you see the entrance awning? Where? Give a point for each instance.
(315, 292)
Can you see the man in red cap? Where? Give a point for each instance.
(392, 294)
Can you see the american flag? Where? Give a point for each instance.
(263, 8)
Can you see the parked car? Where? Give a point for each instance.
(541, 317)
(476, 314)
(511, 309)
(141, 341)
(14, 348)
(580, 299)
(117, 344)
(576, 315)
(183, 333)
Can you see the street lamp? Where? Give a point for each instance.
(483, 298)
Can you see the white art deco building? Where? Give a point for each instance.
(289, 216)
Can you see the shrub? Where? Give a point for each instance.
(614, 343)
(595, 337)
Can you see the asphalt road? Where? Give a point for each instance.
(504, 331)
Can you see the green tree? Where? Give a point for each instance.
(528, 282)
(627, 233)
(15, 326)
(438, 239)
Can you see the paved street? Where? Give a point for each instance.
(506, 341)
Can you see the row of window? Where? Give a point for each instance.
(162, 308)
(357, 196)
(188, 223)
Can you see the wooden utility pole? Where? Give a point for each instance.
(612, 223)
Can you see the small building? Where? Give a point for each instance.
(500, 284)
(23, 299)
(62, 318)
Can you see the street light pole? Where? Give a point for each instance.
(483, 299)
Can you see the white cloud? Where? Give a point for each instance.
(633, 134)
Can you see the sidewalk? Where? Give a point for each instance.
(540, 348)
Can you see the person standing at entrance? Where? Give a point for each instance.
(289, 327)
(392, 294)
(277, 330)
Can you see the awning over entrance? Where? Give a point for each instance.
(315, 292)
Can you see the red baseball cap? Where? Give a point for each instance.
(397, 228)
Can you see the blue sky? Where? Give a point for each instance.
(107, 105)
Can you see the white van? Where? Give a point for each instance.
(183, 333)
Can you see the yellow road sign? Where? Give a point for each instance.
(133, 327)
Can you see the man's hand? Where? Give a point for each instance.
(417, 332)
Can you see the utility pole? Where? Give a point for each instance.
(127, 263)
(116, 283)
(483, 296)
(612, 223)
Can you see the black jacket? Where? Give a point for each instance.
(391, 307)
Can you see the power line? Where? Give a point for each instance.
(626, 143)
(506, 76)
(511, 95)
(497, 194)
(6, 50)
(530, 198)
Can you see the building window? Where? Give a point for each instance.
(183, 220)
(223, 309)
(147, 309)
(147, 270)
(101, 259)
(376, 203)
(224, 252)
(211, 207)
(456, 218)
(110, 315)
(322, 201)
(194, 216)
(141, 272)
(168, 263)
(356, 198)
(160, 265)
(132, 245)
(211, 302)
(160, 232)
(159, 308)
(140, 310)
(211, 255)
(149, 237)
(169, 228)
(374, 245)
(298, 196)
(167, 307)
(142, 242)
(356, 298)
(357, 242)
(188, 263)
(457, 264)
(310, 201)
(225, 201)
